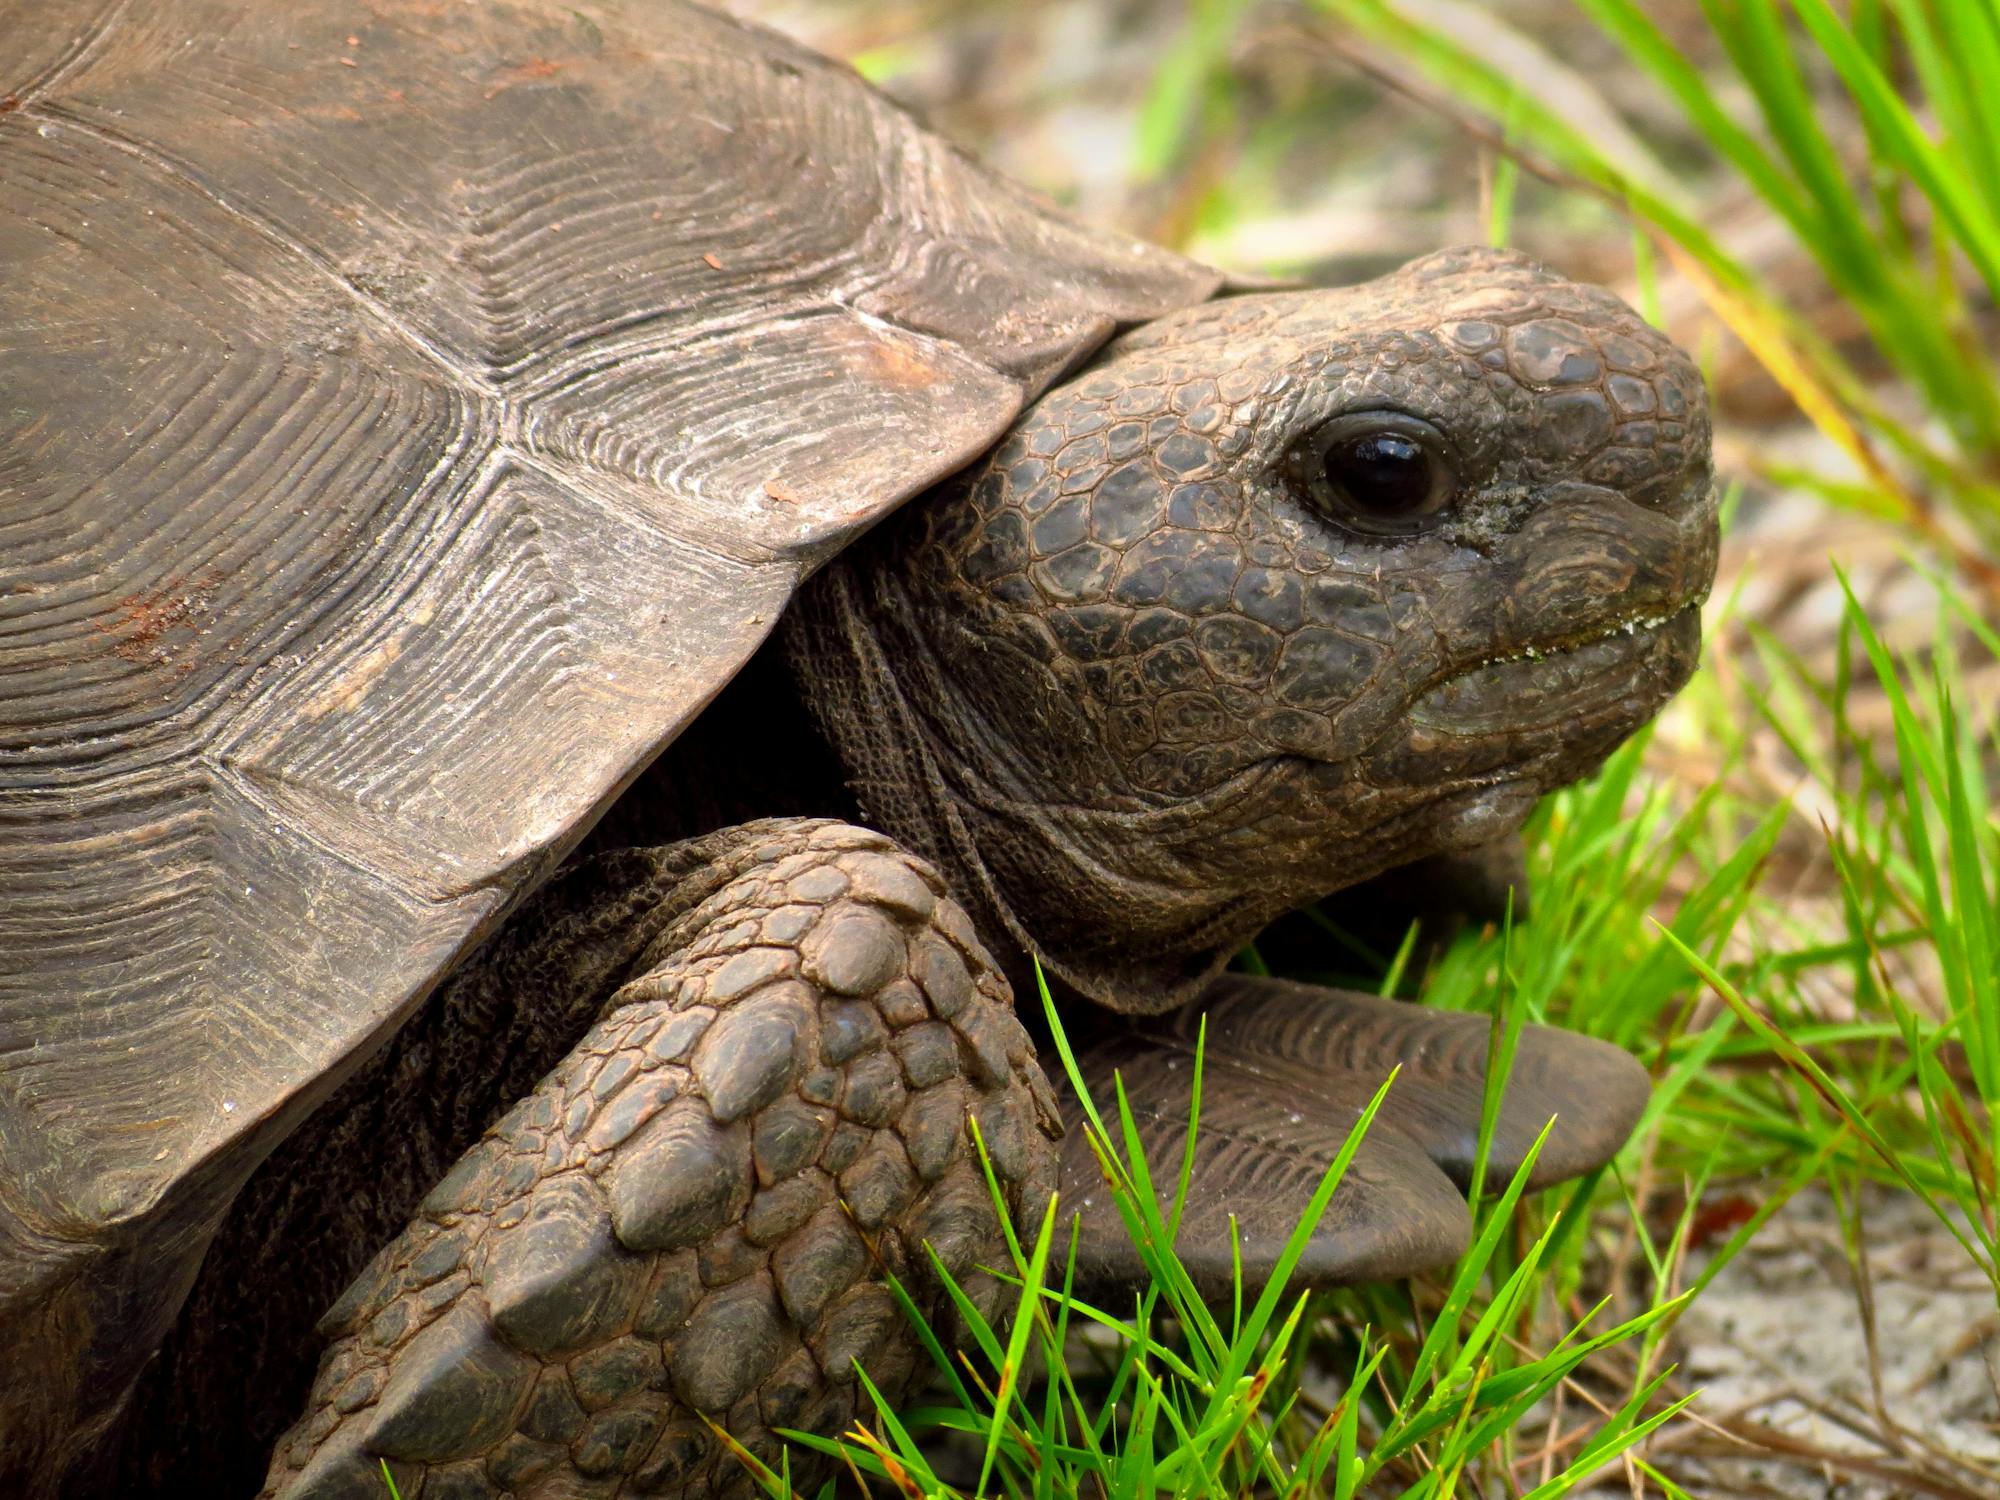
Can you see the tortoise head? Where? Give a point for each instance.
(1282, 591)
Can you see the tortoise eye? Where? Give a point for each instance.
(1379, 472)
(1384, 473)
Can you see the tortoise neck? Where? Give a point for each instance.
(951, 746)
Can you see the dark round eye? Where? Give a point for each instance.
(1383, 473)
(1378, 472)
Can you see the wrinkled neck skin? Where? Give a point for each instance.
(971, 754)
(970, 750)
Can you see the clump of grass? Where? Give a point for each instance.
(1916, 848)
(1902, 922)
(1187, 1398)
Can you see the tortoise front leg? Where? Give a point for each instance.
(689, 1217)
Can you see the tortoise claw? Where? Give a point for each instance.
(1259, 1156)
(1287, 1070)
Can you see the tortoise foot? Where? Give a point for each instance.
(690, 1217)
(1287, 1070)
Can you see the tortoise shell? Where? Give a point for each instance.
(411, 415)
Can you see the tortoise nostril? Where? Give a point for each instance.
(1681, 491)
(1643, 467)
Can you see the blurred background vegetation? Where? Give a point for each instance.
(1784, 900)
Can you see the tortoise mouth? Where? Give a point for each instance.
(1634, 662)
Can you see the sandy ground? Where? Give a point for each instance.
(1881, 1390)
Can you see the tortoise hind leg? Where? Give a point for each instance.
(683, 1218)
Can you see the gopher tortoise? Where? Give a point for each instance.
(506, 811)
